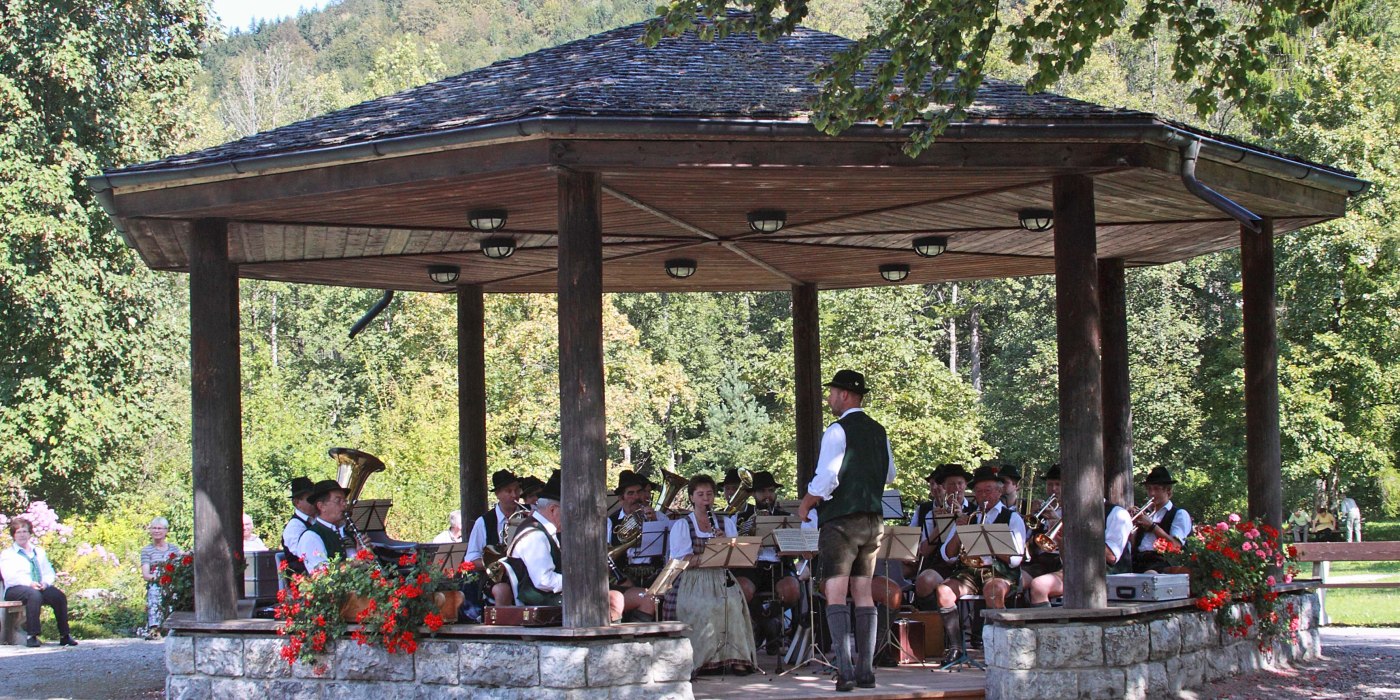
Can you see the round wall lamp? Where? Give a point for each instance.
(486, 219)
(680, 268)
(767, 220)
(930, 246)
(1036, 219)
(498, 248)
(894, 272)
(444, 274)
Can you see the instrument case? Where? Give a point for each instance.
(1149, 587)
(931, 626)
(524, 615)
(910, 635)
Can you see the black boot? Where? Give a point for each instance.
(838, 618)
(952, 636)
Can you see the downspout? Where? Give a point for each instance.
(1190, 153)
(374, 311)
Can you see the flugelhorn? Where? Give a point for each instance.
(968, 560)
(1035, 521)
(1046, 541)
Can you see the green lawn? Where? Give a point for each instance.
(1366, 606)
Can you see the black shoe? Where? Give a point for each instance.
(67, 641)
(952, 657)
(887, 659)
(32, 642)
(773, 647)
(866, 682)
(844, 685)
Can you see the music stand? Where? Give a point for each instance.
(942, 523)
(449, 556)
(666, 578)
(653, 542)
(805, 649)
(988, 540)
(899, 542)
(369, 514)
(729, 553)
(892, 505)
(614, 504)
(764, 525)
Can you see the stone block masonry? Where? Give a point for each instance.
(1157, 654)
(212, 664)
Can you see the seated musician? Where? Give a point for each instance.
(947, 493)
(302, 515)
(1160, 519)
(635, 573)
(535, 560)
(1043, 562)
(720, 633)
(994, 577)
(1011, 484)
(486, 531)
(453, 533)
(771, 585)
(1118, 525)
(530, 488)
(327, 537)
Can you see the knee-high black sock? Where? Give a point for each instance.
(866, 642)
(838, 619)
(952, 628)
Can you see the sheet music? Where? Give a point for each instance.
(729, 552)
(764, 525)
(793, 540)
(899, 542)
(667, 577)
(449, 556)
(892, 504)
(653, 542)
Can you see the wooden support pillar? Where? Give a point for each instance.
(581, 407)
(1081, 409)
(806, 380)
(1263, 456)
(1117, 394)
(471, 402)
(216, 422)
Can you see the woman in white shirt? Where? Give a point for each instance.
(721, 633)
(29, 578)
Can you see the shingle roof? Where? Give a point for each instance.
(613, 74)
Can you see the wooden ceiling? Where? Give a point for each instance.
(381, 224)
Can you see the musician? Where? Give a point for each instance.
(995, 578)
(486, 531)
(731, 484)
(770, 574)
(302, 515)
(947, 489)
(530, 488)
(639, 572)
(535, 559)
(1118, 525)
(327, 537)
(453, 533)
(1043, 562)
(1160, 519)
(708, 599)
(1011, 485)
(853, 465)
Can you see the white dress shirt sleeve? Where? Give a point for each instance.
(1117, 531)
(678, 544)
(1181, 526)
(533, 549)
(311, 549)
(291, 533)
(477, 540)
(730, 528)
(943, 551)
(827, 475)
(889, 476)
(1018, 537)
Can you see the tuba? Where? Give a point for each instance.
(672, 486)
(354, 470)
(745, 491)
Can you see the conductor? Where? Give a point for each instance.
(853, 466)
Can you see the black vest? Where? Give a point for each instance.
(335, 546)
(493, 528)
(1166, 525)
(861, 480)
(294, 563)
(526, 592)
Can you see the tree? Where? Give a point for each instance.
(923, 61)
(84, 84)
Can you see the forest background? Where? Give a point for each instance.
(94, 372)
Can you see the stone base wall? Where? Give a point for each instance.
(1156, 655)
(250, 667)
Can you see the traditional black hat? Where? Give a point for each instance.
(324, 487)
(301, 486)
(952, 470)
(764, 480)
(731, 476)
(502, 479)
(530, 485)
(628, 479)
(1159, 476)
(552, 487)
(850, 380)
(1052, 473)
(937, 474)
(984, 473)
(1009, 471)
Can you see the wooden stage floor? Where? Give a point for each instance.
(902, 682)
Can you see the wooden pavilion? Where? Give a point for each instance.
(606, 160)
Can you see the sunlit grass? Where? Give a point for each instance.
(1364, 606)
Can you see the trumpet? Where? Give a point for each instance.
(1149, 509)
(1037, 519)
(1046, 541)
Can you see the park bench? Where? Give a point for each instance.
(1322, 554)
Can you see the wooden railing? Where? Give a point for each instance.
(1322, 554)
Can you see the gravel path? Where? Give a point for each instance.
(1361, 663)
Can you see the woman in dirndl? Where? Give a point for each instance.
(721, 634)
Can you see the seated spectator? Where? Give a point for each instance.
(1324, 526)
(153, 558)
(251, 541)
(453, 533)
(1298, 524)
(29, 579)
